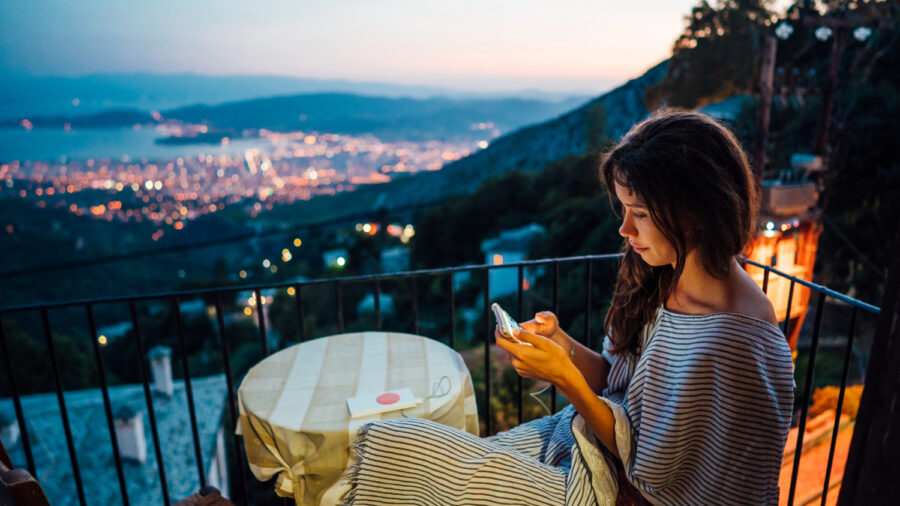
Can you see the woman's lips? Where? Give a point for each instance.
(638, 249)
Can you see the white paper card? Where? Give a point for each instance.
(373, 404)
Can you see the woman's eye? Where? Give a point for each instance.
(639, 215)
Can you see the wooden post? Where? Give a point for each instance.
(821, 145)
(766, 77)
(873, 464)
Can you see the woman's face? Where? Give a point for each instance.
(641, 232)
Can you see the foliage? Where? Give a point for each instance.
(717, 55)
(855, 247)
(826, 398)
(451, 234)
(76, 365)
(597, 136)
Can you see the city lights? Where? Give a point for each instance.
(172, 193)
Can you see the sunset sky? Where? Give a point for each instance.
(567, 45)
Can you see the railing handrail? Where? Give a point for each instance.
(326, 281)
(174, 297)
(407, 274)
(819, 288)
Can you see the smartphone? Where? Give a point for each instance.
(506, 323)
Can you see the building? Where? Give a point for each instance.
(788, 239)
(90, 432)
(510, 246)
(395, 259)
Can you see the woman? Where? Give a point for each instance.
(690, 401)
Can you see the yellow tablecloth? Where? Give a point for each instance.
(293, 404)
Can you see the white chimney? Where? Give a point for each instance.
(130, 434)
(161, 369)
(9, 429)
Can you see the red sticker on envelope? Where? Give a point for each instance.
(387, 398)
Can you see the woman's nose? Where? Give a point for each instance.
(627, 229)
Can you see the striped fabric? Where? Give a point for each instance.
(701, 418)
(709, 408)
(414, 461)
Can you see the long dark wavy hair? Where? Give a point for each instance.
(693, 176)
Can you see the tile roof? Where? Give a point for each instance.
(97, 467)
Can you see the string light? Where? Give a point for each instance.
(784, 30)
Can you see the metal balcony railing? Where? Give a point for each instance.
(550, 268)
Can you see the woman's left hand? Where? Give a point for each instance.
(544, 359)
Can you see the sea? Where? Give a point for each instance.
(56, 145)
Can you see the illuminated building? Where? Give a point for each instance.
(788, 238)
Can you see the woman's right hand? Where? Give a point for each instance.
(546, 324)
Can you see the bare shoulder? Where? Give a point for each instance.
(759, 307)
(750, 300)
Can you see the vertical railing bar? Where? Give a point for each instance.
(452, 312)
(198, 453)
(765, 287)
(556, 312)
(338, 293)
(587, 306)
(107, 406)
(301, 314)
(17, 403)
(840, 402)
(377, 291)
(226, 361)
(149, 398)
(415, 304)
(487, 352)
(804, 407)
(261, 318)
(787, 316)
(70, 442)
(520, 317)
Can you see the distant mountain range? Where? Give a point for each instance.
(90, 94)
(388, 118)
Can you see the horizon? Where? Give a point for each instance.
(580, 47)
(604, 85)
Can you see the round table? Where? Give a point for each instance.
(293, 404)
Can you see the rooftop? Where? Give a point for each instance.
(91, 435)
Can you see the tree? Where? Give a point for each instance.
(717, 55)
(32, 367)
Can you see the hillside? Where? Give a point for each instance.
(389, 119)
(54, 95)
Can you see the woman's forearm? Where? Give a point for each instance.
(592, 365)
(595, 412)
